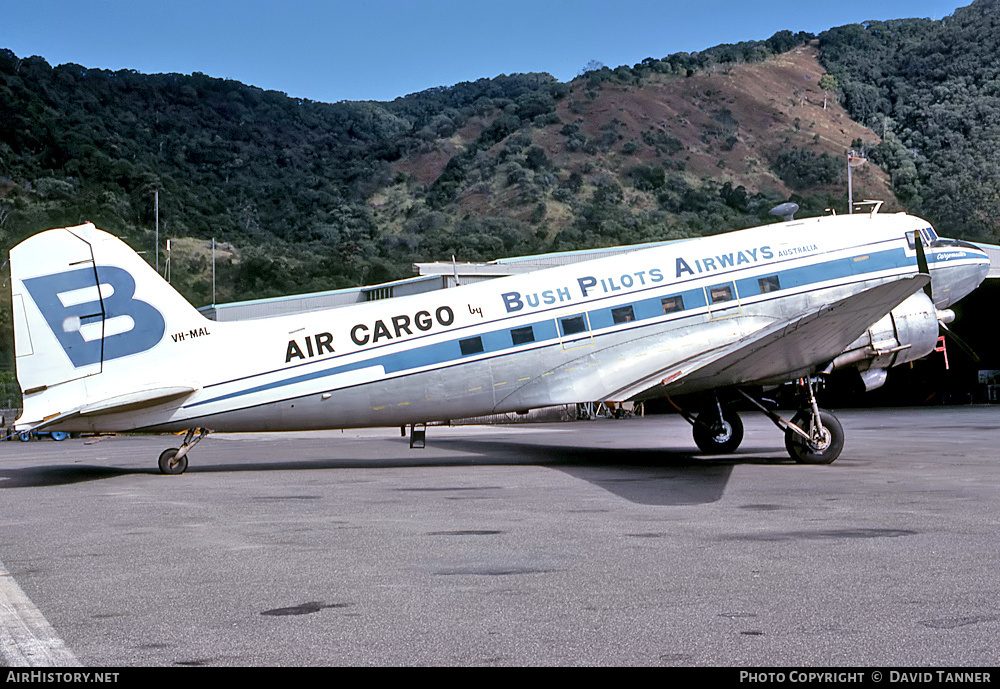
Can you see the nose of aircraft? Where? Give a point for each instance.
(958, 274)
(981, 267)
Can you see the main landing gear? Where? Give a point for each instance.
(813, 436)
(174, 460)
(717, 431)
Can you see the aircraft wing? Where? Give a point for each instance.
(782, 351)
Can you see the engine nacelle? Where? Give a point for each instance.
(907, 333)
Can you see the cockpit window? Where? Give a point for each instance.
(927, 236)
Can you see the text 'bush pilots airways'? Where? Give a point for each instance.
(104, 344)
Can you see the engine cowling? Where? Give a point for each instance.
(907, 333)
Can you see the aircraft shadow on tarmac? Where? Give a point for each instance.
(661, 476)
(44, 475)
(669, 476)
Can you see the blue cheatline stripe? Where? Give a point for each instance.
(500, 340)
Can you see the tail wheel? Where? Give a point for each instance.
(170, 465)
(170, 462)
(718, 436)
(826, 441)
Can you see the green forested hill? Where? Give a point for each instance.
(285, 180)
(316, 195)
(933, 88)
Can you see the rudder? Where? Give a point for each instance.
(88, 312)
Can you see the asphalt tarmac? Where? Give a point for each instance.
(584, 543)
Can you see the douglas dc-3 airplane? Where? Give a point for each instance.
(104, 344)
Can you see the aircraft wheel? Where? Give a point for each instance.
(168, 465)
(824, 448)
(24, 436)
(714, 438)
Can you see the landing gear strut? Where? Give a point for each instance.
(174, 460)
(825, 442)
(814, 435)
(718, 431)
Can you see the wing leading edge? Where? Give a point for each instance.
(782, 351)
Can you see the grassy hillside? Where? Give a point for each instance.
(653, 157)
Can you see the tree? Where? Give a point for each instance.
(828, 83)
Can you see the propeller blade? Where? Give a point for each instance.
(959, 342)
(922, 263)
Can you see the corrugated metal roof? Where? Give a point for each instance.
(567, 257)
(524, 264)
(993, 251)
(316, 301)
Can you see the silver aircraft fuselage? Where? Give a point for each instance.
(620, 328)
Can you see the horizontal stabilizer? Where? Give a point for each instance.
(114, 405)
(136, 400)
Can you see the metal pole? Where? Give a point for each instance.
(156, 212)
(850, 187)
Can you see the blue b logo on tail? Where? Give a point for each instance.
(80, 316)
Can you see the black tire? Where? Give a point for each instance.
(168, 465)
(826, 450)
(715, 439)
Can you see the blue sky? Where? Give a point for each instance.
(380, 49)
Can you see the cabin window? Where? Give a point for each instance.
(623, 314)
(473, 345)
(721, 293)
(520, 336)
(573, 325)
(672, 304)
(769, 284)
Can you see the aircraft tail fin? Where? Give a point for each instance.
(91, 323)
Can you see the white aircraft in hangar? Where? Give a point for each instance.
(102, 343)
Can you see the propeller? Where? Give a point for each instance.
(946, 316)
(922, 264)
(958, 341)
